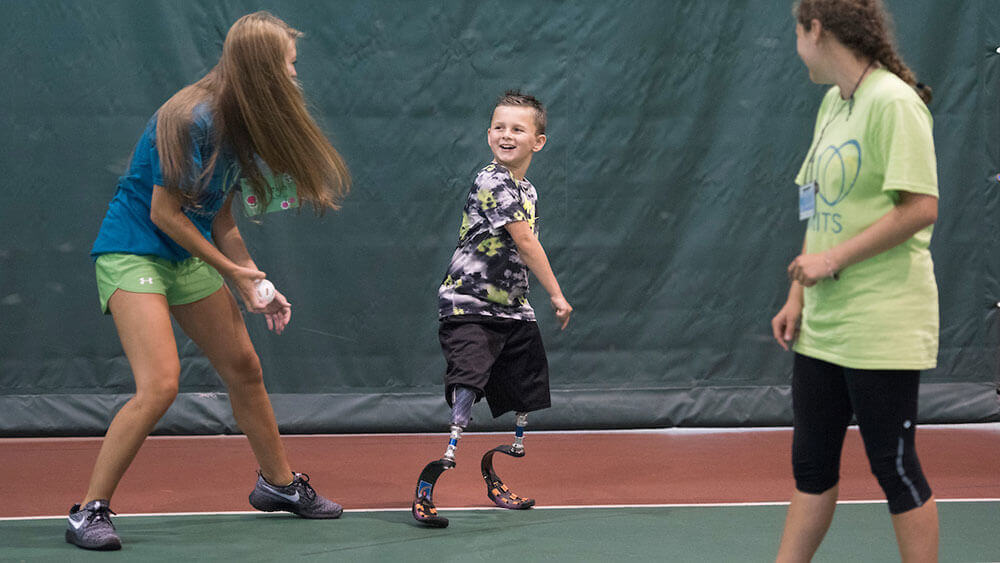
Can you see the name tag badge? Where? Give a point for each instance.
(807, 200)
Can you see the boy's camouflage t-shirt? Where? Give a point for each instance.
(486, 275)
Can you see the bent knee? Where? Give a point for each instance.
(156, 396)
(242, 368)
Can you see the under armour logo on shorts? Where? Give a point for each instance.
(143, 281)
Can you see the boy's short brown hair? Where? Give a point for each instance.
(516, 98)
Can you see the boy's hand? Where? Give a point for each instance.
(563, 310)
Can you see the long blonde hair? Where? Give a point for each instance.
(257, 112)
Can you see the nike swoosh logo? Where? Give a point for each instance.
(76, 525)
(290, 498)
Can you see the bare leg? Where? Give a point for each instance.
(808, 519)
(143, 323)
(216, 326)
(917, 533)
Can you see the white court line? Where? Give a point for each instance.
(477, 508)
(989, 426)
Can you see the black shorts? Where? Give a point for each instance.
(502, 359)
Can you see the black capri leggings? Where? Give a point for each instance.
(825, 396)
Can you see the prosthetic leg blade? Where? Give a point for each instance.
(423, 507)
(495, 489)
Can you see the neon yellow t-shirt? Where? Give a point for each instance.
(883, 312)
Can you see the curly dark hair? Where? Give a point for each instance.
(865, 27)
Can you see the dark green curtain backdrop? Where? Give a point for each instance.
(666, 200)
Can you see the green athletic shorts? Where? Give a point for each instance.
(181, 282)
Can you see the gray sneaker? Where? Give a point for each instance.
(90, 527)
(297, 498)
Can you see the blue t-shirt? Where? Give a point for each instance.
(127, 227)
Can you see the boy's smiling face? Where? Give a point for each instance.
(513, 137)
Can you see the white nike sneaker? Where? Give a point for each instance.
(90, 527)
(298, 498)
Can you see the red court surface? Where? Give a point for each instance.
(43, 477)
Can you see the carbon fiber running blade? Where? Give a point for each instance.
(429, 476)
(495, 488)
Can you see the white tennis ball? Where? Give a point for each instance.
(265, 291)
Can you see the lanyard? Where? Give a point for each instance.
(812, 154)
(822, 131)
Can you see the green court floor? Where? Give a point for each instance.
(860, 532)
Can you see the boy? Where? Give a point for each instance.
(488, 331)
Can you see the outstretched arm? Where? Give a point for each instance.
(534, 257)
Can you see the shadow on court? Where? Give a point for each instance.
(698, 534)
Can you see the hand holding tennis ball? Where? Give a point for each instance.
(265, 291)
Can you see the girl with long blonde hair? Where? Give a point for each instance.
(155, 257)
